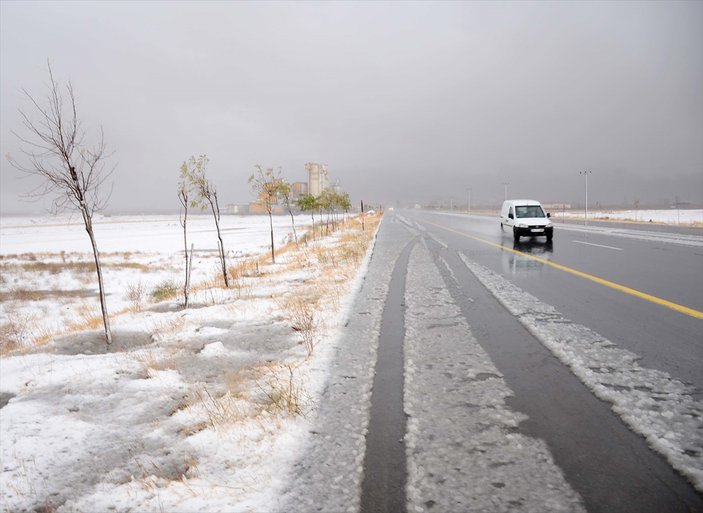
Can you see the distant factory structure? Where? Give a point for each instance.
(318, 181)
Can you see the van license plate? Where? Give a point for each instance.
(537, 230)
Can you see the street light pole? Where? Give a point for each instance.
(505, 184)
(468, 205)
(585, 211)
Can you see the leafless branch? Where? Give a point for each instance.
(70, 170)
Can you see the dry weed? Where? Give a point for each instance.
(89, 318)
(239, 274)
(43, 336)
(325, 255)
(283, 391)
(151, 362)
(17, 331)
(220, 411)
(136, 293)
(301, 313)
(162, 329)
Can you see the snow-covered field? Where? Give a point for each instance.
(48, 265)
(683, 217)
(202, 409)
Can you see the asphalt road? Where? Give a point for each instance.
(642, 294)
(664, 338)
(561, 377)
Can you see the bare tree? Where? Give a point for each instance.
(193, 171)
(70, 169)
(267, 184)
(183, 195)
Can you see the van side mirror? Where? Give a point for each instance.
(511, 216)
(549, 215)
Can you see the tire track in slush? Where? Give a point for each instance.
(383, 486)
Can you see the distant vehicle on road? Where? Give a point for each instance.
(527, 218)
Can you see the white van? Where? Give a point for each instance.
(527, 218)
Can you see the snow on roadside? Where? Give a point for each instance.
(196, 410)
(328, 477)
(683, 239)
(683, 217)
(651, 402)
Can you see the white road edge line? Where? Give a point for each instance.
(597, 245)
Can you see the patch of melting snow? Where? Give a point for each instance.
(650, 401)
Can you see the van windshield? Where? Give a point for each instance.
(529, 211)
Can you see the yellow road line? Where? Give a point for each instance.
(627, 290)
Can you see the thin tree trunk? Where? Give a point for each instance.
(189, 267)
(98, 269)
(273, 256)
(186, 285)
(220, 244)
(292, 222)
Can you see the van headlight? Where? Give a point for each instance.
(521, 225)
(549, 225)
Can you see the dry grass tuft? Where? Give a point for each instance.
(163, 329)
(300, 311)
(16, 331)
(222, 410)
(88, 318)
(151, 362)
(240, 275)
(282, 390)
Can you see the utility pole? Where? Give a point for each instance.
(585, 211)
(505, 185)
(468, 205)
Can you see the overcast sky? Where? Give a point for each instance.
(410, 102)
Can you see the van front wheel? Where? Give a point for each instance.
(516, 235)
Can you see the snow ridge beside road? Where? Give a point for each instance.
(649, 401)
(662, 237)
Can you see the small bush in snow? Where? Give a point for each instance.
(301, 313)
(167, 289)
(136, 292)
